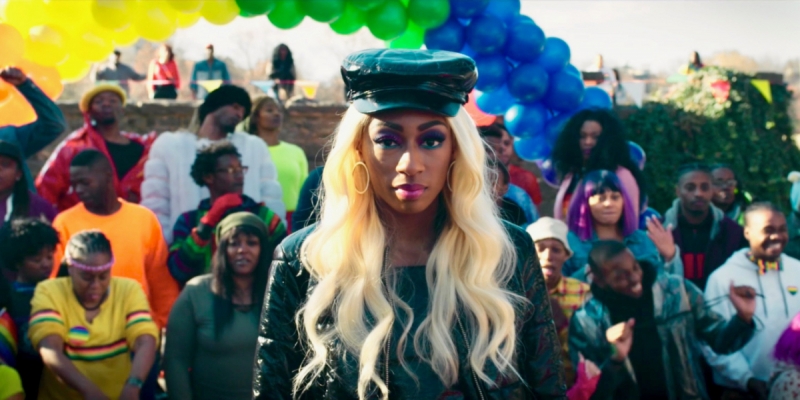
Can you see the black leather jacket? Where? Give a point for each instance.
(279, 355)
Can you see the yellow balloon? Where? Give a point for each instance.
(219, 12)
(47, 45)
(186, 6)
(154, 20)
(23, 14)
(125, 37)
(93, 44)
(111, 14)
(73, 69)
(187, 20)
(69, 14)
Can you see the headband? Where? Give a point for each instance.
(99, 268)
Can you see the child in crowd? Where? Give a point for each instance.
(26, 249)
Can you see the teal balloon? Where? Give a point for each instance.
(287, 14)
(412, 38)
(351, 20)
(428, 14)
(251, 8)
(387, 21)
(366, 5)
(323, 10)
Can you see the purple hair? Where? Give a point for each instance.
(579, 215)
(788, 347)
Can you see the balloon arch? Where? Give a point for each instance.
(523, 75)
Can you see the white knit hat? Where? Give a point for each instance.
(549, 228)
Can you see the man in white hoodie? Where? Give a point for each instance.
(776, 278)
(168, 188)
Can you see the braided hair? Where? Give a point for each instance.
(83, 244)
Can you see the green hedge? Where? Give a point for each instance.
(689, 125)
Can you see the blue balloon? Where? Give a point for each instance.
(525, 120)
(555, 55)
(564, 93)
(449, 36)
(595, 97)
(553, 127)
(496, 102)
(466, 9)
(521, 18)
(548, 171)
(506, 10)
(492, 72)
(486, 34)
(527, 82)
(525, 41)
(467, 51)
(533, 149)
(637, 154)
(573, 70)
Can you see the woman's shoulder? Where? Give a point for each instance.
(125, 286)
(289, 249)
(199, 284)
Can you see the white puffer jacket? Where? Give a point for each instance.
(169, 191)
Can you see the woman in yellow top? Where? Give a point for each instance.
(266, 120)
(85, 325)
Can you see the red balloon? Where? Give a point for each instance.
(481, 118)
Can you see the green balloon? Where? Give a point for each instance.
(387, 21)
(287, 14)
(412, 38)
(351, 20)
(323, 10)
(366, 5)
(251, 8)
(428, 14)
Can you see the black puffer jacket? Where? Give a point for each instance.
(279, 355)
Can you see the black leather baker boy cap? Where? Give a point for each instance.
(430, 80)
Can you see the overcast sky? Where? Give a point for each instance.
(646, 34)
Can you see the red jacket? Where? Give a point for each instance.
(527, 181)
(53, 180)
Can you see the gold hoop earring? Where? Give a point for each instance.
(448, 175)
(361, 163)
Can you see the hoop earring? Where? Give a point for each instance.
(361, 163)
(448, 175)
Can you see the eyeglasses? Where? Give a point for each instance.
(233, 170)
(725, 184)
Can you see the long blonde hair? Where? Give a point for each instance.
(470, 263)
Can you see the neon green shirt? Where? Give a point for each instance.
(292, 165)
(10, 384)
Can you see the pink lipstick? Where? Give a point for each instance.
(409, 191)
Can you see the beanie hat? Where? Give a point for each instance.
(549, 228)
(237, 219)
(794, 197)
(223, 96)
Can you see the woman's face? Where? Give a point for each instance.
(590, 132)
(163, 54)
(283, 51)
(606, 208)
(10, 173)
(270, 117)
(243, 253)
(90, 287)
(408, 154)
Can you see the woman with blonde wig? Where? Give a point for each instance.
(409, 286)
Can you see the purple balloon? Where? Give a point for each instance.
(532, 149)
(548, 170)
(555, 55)
(527, 82)
(492, 72)
(525, 41)
(496, 102)
(466, 9)
(564, 93)
(526, 120)
(449, 36)
(507, 10)
(637, 154)
(486, 34)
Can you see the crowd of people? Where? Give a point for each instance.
(414, 264)
(163, 78)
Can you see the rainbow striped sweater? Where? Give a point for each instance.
(100, 349)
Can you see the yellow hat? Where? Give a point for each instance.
(87, 97)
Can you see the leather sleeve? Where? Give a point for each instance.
(542, 366)
(278, 351)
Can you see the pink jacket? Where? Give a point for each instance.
(625, 177)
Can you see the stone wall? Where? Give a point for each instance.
(308, 126)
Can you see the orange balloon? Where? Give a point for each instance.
(47, 78)
(16, 111)
(13, 45)
(5, 92)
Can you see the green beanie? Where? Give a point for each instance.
(237, 219)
